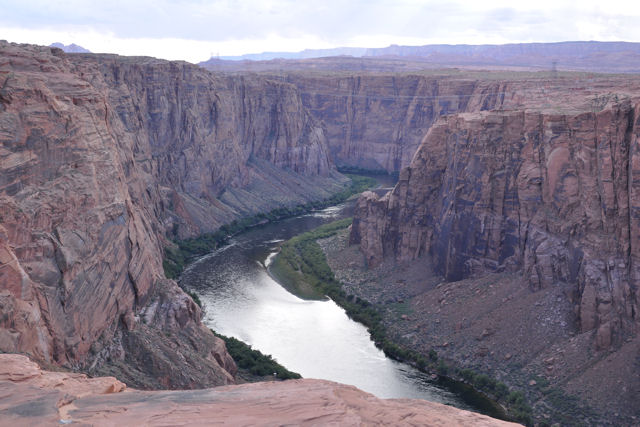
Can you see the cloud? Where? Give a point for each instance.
(171, 27)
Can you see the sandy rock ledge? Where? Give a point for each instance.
(31, 396)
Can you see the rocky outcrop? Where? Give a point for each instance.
(101, 157)
(164, 346)
(549, 195)
(36, 397)
(79, 251)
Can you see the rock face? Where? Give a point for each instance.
(201, 136)
(376, 112)
(79, 252)
(552, 196)
(100, 158)
(35, 397)
(378, 120)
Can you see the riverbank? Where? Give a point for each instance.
(303, 269)
(491, 325)
(253, 365)
(178, 254)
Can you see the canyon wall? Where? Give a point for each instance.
(101, 157)
(378, 120)
(375, 114)
(201, 136)
(551, 195)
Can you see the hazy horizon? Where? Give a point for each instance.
(195, 30)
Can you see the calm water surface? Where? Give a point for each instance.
(313, 338)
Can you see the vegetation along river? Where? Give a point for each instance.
(313, 338)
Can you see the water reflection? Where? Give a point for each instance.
(314, 338)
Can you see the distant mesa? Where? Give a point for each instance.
(594, 56)
(70, 48)
(305, 54)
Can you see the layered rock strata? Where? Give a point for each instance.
(378, 121)
(202, 136)
(551, 196)
(36, 397)
(101, 157)
(375, 118)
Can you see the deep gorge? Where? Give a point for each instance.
(105, 159)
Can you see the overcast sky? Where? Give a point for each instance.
(194, 30)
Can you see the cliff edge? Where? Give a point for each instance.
(36, 397)
(102, 158)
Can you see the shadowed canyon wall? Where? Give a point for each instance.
(378, 120)
(103, 156)
(202, 135)
(551, 195)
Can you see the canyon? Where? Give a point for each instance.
(105, 159)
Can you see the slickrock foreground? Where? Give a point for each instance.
(31, 396)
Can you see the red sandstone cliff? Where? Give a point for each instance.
(551, 196)
(530, 217)
(203, 136)
(100, 157)
(378, 120)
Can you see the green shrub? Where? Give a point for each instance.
(304, 262)
(194, 297)
(443, 368)
(254, 361)
(501, 390)
(176, 257)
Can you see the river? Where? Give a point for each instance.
(313, 338)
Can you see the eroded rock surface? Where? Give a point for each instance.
(552, 196)
(377, 120)
(101, 158)
(35, 397)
